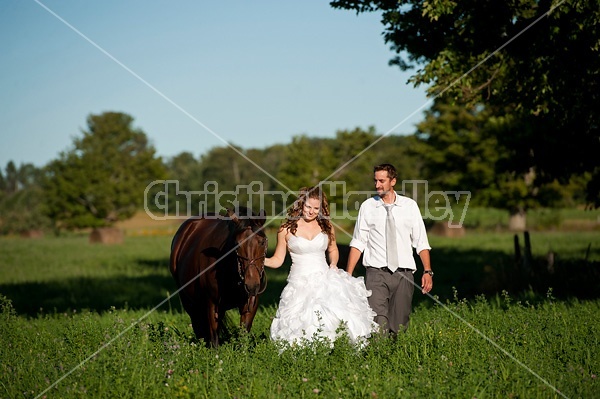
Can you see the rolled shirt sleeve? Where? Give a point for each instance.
(419, 233)
(361, 232)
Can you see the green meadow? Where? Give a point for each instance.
(90, 320)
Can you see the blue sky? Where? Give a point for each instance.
(194, 74)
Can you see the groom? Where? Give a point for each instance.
(388, 227)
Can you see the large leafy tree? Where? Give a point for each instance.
(463, 143)
(532, 64)
(456, 147)
(102, 179)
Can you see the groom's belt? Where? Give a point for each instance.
(400, 269)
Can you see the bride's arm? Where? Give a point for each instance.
(333, 252)
(278, 257)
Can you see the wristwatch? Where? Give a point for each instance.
(430, 272)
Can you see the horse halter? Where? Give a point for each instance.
(250, 262)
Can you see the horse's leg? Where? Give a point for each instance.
(199, 325)
(248, 311)
(189, 307)
(198, 318)
(202, 326)
(214, 319)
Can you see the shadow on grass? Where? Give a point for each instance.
(101, 294)
(469, 272)
(94, 294)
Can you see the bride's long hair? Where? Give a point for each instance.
(295, 211)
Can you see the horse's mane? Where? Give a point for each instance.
(247, 218)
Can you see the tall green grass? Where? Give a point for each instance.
(77, 320)
(483, 350)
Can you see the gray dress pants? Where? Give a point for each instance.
(391, 297)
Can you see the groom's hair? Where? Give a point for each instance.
(389, 168)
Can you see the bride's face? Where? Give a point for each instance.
(311, 209)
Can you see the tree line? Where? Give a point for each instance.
(104, 177)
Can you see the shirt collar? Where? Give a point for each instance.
(381, 203)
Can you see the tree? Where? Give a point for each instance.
(23, 211)
(303, 163)
(349, 145)
(456, 147)
(21, 200)
(543, 85)
(2, 184)
(229, 175)
(102, 179)
(12, 178)
(461, 152)
(187, 171)
(307, 161)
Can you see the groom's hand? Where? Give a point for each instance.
(426, 283)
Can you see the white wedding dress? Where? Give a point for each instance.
(317, 299)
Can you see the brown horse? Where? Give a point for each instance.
(218, 264)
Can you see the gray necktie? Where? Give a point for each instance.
(390, 240)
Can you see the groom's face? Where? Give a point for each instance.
(383, 184)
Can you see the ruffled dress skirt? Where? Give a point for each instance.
(319, 302)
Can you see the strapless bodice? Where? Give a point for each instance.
(308, 256)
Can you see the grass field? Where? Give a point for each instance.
(83, 320)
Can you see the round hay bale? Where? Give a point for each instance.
(32, 234)
(106, 235)
(442, 229)
(517, 222)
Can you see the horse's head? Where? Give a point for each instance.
(251, 248)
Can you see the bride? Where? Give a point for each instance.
(319, 300)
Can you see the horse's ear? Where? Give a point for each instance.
(262, 217)
(232, 215)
